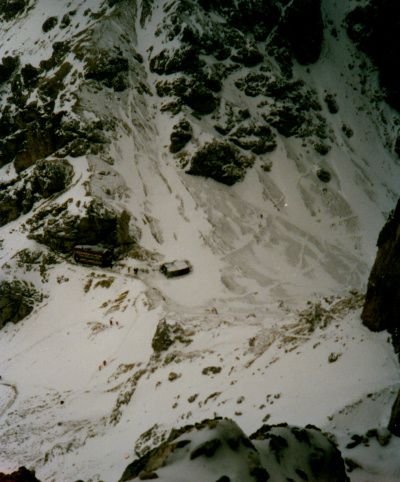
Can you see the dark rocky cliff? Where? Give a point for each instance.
(381, 309)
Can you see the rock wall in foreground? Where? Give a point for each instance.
(381, 308)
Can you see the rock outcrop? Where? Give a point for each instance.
(221, 161)
(17, 300)
(48, 177)
(381, 308)
(60, 229)
(218, 450)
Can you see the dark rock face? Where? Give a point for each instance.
(381, 308)
(221, 161)
(21, 475)
(302, 27)
(394, 422)
(269, 451)
(17, 299)
(375, 30)
(60, 230)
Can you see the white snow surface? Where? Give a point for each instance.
(79, 379)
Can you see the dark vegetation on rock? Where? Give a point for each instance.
(17, 300)
(221, 161)
(55, 227)
(381, 308)
(375, 30)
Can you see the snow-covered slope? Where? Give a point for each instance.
(267, 325)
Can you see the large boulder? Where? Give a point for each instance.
(381, 308)
(180, 135)
(17, 299)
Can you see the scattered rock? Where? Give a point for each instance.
(331, 103)
(211, 370)
(333, 357)
(348, 131)
(49, 24)
(180, 136)
(324, 175)
(172, 376)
